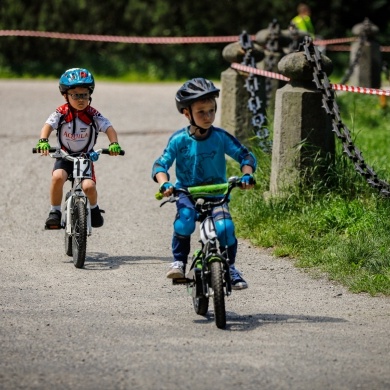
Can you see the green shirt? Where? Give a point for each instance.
(304, 23)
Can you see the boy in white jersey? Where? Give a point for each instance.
(77, 125)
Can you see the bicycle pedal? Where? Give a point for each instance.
(180, 281)
(53, 227)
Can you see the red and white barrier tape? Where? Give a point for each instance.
(367, 91)
(120, 39)
(150, 40)
(336, 87)
(323, 42)
(265, 73)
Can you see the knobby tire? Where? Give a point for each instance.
(219, 294)
(201, 305)
(79, 237)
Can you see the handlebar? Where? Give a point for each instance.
(64, 154)
(199, 193)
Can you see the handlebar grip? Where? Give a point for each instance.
(105, 151)
(51, 150)
(158, 195)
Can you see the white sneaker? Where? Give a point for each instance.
(238, 283)
(176, 270)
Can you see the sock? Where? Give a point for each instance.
(94, 206)
(55, 208)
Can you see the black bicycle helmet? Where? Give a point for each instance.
(76, 77)
(193, 90)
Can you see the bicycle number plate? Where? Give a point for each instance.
(82, 168)
(207, 230)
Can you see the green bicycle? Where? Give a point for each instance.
(208, 275)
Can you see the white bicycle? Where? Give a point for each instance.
(76, 213)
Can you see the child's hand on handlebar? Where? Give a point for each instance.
(43, 146)
(114, 149)
(166, 188)
(247, 181)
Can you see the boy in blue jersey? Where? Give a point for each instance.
(199, 151)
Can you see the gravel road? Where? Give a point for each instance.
(119, 323)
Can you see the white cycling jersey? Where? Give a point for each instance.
(77, 131)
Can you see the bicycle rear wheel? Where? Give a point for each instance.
(68, 244)
(218, 294)
(79, 237)
(68, 237)
(201, 305)
(68, 240)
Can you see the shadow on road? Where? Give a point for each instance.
(104, 262)
(239, 323)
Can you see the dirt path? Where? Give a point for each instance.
(119, 323)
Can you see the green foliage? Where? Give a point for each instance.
(28, 56)
(336, 224)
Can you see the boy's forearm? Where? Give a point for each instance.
(46, 131)
(247, 169)
(161, 177)
(112, 134)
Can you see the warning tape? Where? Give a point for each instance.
(146, 40)
(336, 87)
(120, 39)
(367, 91)
(265, 73)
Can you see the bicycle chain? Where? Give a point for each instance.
(254, 103)
(339, 128)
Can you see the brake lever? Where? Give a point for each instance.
(171, 199)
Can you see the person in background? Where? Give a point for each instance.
(303, 20)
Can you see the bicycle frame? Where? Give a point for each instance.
(76, 212)
(81, 171)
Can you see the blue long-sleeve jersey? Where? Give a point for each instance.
(201, 161)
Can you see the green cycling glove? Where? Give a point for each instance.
(114, 147)
(43, 144)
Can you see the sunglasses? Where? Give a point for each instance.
(78, 96)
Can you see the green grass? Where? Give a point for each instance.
(336, 225)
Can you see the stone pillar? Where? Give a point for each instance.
(235, 115)
(302, 129)
(367, 71)
(277, 43)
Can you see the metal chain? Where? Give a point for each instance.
(339, 128)
(271, 60)
(362, 41)
(254, 102)
(295, 38)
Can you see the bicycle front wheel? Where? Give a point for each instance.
(218, 294)
(79, 237)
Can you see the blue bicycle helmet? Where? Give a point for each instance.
(76, 77)
(193, 90)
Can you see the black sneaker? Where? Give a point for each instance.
(54, 220)
(96, 217)
(238, 283)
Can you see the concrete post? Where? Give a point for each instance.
(277, 43)
(302, 129)
(367, 71)
(235, 115)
